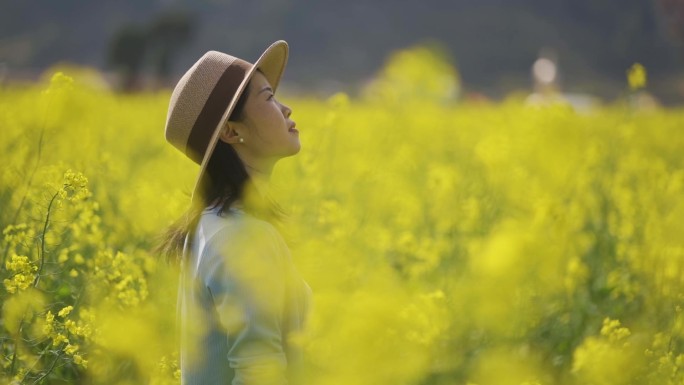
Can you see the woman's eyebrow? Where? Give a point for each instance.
(267, 88)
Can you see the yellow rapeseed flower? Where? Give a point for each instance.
(58, 338)
(65, 311)
(59, 82)
(70, 349)
(439, 238)
(22, 270)
(613, 330)
(78, 360)
(636, 77)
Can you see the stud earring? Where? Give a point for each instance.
(241, 140)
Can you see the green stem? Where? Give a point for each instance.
(40, 356)
(52, 366)
(42, 240)
(16, 344)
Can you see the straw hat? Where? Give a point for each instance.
(206, 95)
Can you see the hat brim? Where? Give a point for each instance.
(272, 64)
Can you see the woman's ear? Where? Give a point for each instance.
(229, 134)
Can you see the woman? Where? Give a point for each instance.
(240, 296)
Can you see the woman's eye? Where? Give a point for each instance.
(270, 97)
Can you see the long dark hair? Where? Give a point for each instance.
(225, 182)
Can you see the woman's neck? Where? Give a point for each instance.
(259, 171)
(260, 178)
(257, 186)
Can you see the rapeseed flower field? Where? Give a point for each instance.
(445, 242)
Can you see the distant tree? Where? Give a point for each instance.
(628, 26)
(133, 47)
(168, 33)
(673, 13)
(127, 55)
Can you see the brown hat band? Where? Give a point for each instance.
(217, 103)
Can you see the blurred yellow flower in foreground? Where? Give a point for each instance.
(445, 242)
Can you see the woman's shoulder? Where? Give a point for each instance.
(235, 245)
(237, 227)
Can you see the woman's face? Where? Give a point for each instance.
(266, 128)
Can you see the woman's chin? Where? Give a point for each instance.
(292, 150)
(296, 149)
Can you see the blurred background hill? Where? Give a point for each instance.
(340, 45)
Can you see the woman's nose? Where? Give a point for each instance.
(287, 111)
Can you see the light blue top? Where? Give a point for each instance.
(240, 297)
